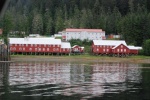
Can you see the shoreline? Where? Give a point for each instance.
(79, 58)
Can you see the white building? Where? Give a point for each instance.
(90, 34)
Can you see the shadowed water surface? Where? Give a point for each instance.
(72, 81)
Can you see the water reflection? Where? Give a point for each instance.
(4, 77)
(65, 79)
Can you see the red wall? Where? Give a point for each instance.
(65, 50)
(101, 49)
(121, 49)
(134, 52)
(35, 48)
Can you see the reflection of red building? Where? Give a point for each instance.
(76, 78)
(50, 73)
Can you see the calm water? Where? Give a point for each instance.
(72, 81)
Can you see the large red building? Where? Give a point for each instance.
(38, 45)
(113, 47)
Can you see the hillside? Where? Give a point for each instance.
(129, 18)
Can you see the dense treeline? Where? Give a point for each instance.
(130, 18)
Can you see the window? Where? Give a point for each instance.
(121, 46)
(118, 50)
(35, 49)
(30, 49)
(124, 50)
(121, 50)
(14, 48)
(20, 49)
(47, 49)
(103, 50)
(23, 49)
(97, 49)
(43, 49)
(107, 50)
(39, 49)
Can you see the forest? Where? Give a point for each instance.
(129, 18)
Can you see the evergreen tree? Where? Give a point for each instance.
(59, 22)
(37, 24)
(146, 47)
(7, 23)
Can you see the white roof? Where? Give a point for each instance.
(75, 46)
(65, 45)
(109, 42)
(34, 41)
(134, 48)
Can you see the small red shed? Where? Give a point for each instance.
(77, 49)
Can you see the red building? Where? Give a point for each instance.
(36, 45)
(77, 49)
(113, 47)
(134, 50)
(105, 46)
(120, 49)
(65, 48)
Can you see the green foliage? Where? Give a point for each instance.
(129, 18)
(146, 47)
(37, 24)
(7, 23)
(85, 43)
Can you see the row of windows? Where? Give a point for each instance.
(77, 37)
(106, 46)
(121, 50)
(87, 33)
(38, 49)
(118, 50)
(104, 50)
(35, 45)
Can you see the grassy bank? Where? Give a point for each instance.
(81, 58)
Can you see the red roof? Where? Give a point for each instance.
(80, 30)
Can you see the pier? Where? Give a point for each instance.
(4, 52)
